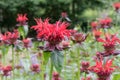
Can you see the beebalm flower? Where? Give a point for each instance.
(7, 70)
(35, 68)
(10, 37)
(105, 23)
(53, 34)
(21, 18)
(84, 66)
(94, 25)
(97, 34)
(64, 15)
(117, 6)
(56, 76)
(109, 43)
(79, 37)
(103, 69)
(27, 42)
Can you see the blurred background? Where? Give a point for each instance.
(81, 12)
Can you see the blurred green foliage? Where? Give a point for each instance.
(45, 8)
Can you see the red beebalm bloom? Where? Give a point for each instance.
(56, 76)
(105, 23)
(85, 66)
(109, 42)
(103, 70)
(64, 14)
(52, 33)
(35, 68)
(97, 34)
(41, 27)
(7, 70)
(94, 25)
(27, 42)
(79, 37)
(10, 37)
(22, 19)
(116, 6)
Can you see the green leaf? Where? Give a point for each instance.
(57, 60)
(21, 31)
(25, 28)
(46, 56)
(116, 76)
(5, 49)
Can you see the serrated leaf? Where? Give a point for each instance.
(57, 60)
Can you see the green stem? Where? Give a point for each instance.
(13, 60)
(65, 64)
(42, 66)
(51, 70)
(85, 76)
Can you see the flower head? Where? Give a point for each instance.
(116, 6)
(85, 66)
(27, 42)
(35, 68)
(105, 23)
(109, 42)
(22, 18)
(52, 33)
(97, 34)
(56, 76)
(64, 14)
(94, 25)
(103, 70)
(10, 37)
(7, 70)
(79, 37)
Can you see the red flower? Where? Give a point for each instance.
(41, 28)
(35, 68)
(10, 37)
(94, 25)
(6, 70)
(116, 6)
(64, 14)
(79, 37)
(52, 33)
(56, 76)
(105, 23)
(103, 70)
(85, 66)
(22, 18)
(109, 42)
(27, 42)
(97, 34)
